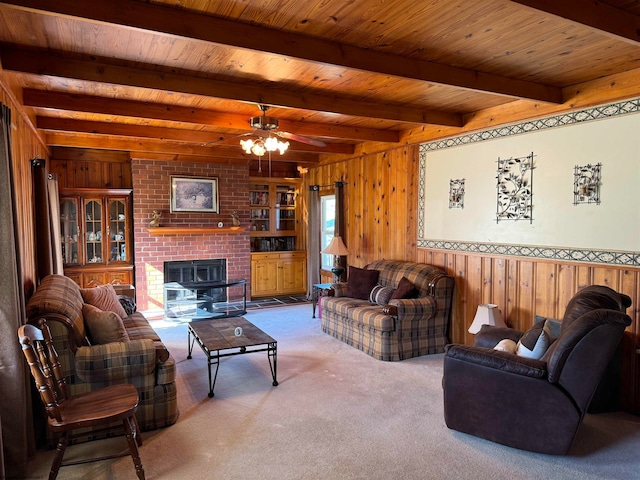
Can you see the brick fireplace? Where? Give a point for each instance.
(151, 179)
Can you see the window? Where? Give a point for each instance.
(327, 228)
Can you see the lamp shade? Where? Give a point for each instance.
(487, 314)
(336, 247)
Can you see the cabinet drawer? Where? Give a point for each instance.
(263, 256)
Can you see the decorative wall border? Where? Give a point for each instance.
(549, 253)
(553, 253)
(580, 116)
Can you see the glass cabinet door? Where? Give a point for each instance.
(93, 230)
(69, 231)
(285, 208)
(259, 203)
(117, 209)
(285, 219)
(260, 219)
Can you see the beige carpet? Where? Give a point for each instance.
(337, 414)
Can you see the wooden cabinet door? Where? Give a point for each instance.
(292, 274)
(93, 279)
(120, 277)
(264, 274)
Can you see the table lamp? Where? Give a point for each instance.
(336, 248)
(487, 314)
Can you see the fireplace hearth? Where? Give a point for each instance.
(193, 272)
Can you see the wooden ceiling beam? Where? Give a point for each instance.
(43, 63)
(84, 140)
(196, 26)
(176, 113)
(175, 134)
(612, 21)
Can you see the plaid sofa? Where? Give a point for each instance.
(143, 361)
(403, 329)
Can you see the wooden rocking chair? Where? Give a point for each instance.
(94, 408)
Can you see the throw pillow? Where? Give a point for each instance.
(381, 294)
(405, 289)
(506, 345)
(128, 303)
(103, 327)
(360, 282)
(105, 298)
(534, 343)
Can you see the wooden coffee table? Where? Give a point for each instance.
(220, 334)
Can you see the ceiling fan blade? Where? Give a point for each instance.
(225, 139)
(301, 139)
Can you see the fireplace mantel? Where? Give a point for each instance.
(185, 230)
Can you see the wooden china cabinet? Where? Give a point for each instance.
(96, 231)
(278, 265)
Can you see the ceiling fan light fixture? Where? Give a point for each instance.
(259, 146)
(247, 145)
(272, 144)
(258, 149)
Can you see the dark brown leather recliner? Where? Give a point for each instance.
(535, 405)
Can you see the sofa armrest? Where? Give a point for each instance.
(166, 371)
(490, 335)
(412, 308)
(338, 289)
(498, 360)
(115, 362)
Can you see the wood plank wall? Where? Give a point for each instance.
(380, 203)
(25, 146)
(525, 287)
(381, 222)
(84, 168)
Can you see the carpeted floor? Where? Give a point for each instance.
(336, 414)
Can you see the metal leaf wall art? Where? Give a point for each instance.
(586, 184)
(456, 193)
(515, 189)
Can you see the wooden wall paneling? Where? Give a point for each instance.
(410, 194)
(95, 175)
(629, 284)
(498, 284)
(525, 295)
(77, 177)
(510, 310)
(109, 175)
(474, 289)
(608, 277)
(545, 289)
(371, 174)
(25, 145)
(355, 196)
(584, 276)
(383, 183)
(396, 181)
(567, 282)
(462, 311)
(537, 287)
(380, 203)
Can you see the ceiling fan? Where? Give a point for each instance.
(264, 127)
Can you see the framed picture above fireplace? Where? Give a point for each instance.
(194, 194)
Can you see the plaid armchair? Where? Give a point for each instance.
(143, 361)
(397, 329)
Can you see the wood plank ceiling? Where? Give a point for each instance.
(164, 78)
